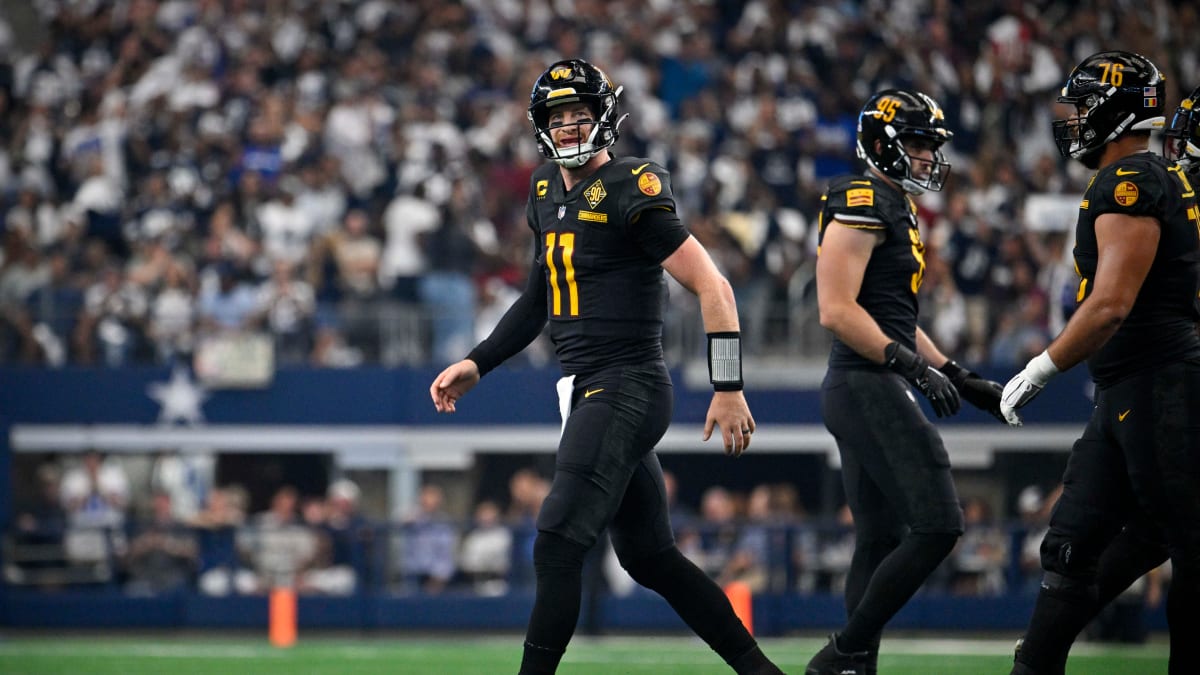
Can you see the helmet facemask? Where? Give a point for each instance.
(1181, 139)
(1081, 137)
(604, 131)
(938, 169)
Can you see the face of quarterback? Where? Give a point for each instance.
(571, 124)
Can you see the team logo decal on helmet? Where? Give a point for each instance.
(1113, 93)
(894, 117)
(572, 81)
(1181, 138)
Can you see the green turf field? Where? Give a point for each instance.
(175, 655)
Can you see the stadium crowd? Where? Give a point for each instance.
(159, 528)
(348, 178)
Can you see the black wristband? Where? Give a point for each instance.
(725, 361)
(903, 360)
(955, 372)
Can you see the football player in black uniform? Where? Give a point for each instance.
(604, 229)
(1137, 252)
(895, 470)
(1181, 138)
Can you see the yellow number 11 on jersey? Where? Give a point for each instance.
(567, 244)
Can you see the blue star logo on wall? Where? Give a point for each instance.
(180, 397)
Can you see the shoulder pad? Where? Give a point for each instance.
(1132, 185)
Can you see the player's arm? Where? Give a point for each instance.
(519, 326)
(1126, 246)
(841, 266)
(929, 350)
(692, 267)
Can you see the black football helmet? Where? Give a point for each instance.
(1113, 93)
(892, 117)
(568, 82)
(1181, 138)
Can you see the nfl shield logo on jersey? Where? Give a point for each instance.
(562, 211)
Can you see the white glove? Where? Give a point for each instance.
(1025, 385)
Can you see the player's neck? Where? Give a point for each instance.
(573, 177)
(887, 179)
(1122, 148)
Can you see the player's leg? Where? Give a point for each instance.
(603, 442)
(1138, 549)
(896, 471)
(1135, 551)
(642, 538)
(878, 530)
(1095, 503)
(1161, 438)
(904, 478)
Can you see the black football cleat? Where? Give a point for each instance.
(832, 661)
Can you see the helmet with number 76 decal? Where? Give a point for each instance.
(1113, 93)
(898, 121)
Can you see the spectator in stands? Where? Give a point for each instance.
(221, 568)
(113, 320)
(172, 315)
(288, 304)
(95, 495)
(1034, 508)
(226, 240)
(22, 273)
(429, 539)
(163, 554)
(39, 526)
(980, 558)
(835, 549)
(447, 290)
(750, 560)
(278, 545)
(486, 553)
(527, 489)
(54, 308)
(718, 530)
(409, 217)
(355, 255)
(350, 539)
(226, 303)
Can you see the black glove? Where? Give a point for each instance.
(930, 382)
(981, 393)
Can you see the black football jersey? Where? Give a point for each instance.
(602, 263)
(895, 270)
(1161, 326)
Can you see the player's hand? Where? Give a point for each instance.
(981, 393)
(1026, 385)
(729, 411)
(932, 384)
(452, 383)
